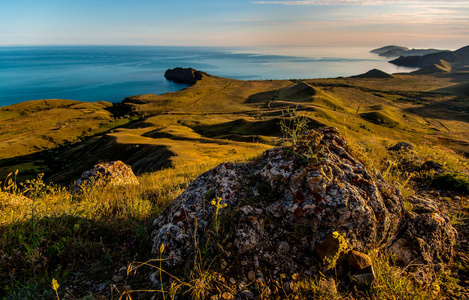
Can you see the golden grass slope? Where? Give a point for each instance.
(225, 119)
(32, 126)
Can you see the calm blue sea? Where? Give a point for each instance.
(111, 73)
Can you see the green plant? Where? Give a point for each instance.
(9, 184)
(294, 127)
(28, 290)
(218, 205)
(391, 283)
(161, 273)
(451, 181)
(458, 219)
(35, 188)
(330, 262)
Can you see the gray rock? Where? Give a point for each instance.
(283, 248)
(251, 275)
(100, 287)
(432, 165)
(334, 192)
(118, 278)
(115, 173)
(427, 238)
(246, 295)
(365, 278)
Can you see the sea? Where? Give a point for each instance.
(112, 73)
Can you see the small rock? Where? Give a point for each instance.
(402, 146)
(357, 260)
(154, 278)
(246, 295)
(100, 287)
(227, 296)
(123, 269)
(251, 275)
(118, 278)
(232, 280)
(283, 248)
(457, 198)
(328, 285)
(365, 278)
(432, 165)
(114, 173)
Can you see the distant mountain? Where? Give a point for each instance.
(389, 48)
(446, 59)
(396, 51)
(374, 73)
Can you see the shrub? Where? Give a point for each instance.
(452, 181)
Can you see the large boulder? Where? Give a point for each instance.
(273, 213)
(184, 75)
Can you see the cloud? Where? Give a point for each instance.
(463, 3)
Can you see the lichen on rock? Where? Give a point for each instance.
(279, 209)
(115, 173)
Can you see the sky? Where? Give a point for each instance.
(229, 23)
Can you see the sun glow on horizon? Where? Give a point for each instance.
(412, 23)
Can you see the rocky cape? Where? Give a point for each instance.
(458, 59)
(184, 75)
(302, 210)
(396, 51)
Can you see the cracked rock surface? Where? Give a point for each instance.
(278, 209)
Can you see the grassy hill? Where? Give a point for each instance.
(83, 240)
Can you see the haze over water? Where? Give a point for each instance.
(111, 73)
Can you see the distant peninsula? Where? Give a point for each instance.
(443, 61)
(396, 51)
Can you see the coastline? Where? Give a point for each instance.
(112, 73)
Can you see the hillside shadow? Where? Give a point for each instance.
(39, 249)
(64, 164)
(456, 109)
(248, 131)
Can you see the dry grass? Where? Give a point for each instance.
(211, 122)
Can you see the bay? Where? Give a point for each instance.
(111, 73)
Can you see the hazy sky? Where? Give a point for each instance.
(368, 23)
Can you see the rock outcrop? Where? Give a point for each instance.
(402, 146)
(115, 173)
(396, 51)
(456, 58)
(271, 215)
(184, 75)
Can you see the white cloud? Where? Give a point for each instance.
(463, 3)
